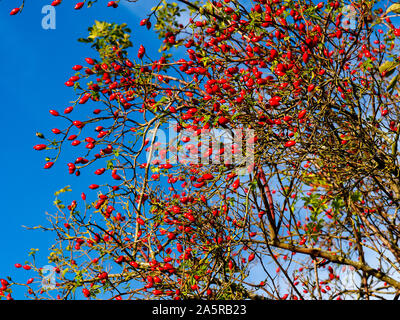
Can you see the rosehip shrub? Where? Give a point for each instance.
(302, 197)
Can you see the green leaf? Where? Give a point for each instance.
(65, 189)
(110, 165)
(356, 196)
(32, 252)
(394, 8)
(392, 83)
(85, 40)
(64, 272)
(389, 67)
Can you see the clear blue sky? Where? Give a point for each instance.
(35, 63)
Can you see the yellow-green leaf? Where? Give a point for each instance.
(389, 67)
(394, 8)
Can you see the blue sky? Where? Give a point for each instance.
(35, 63)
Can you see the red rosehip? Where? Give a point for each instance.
(89, 60)
(290, 143)
(112, 4)
(68, 110)
(14, 11)
(141, 52)
(48, 165)
(171, 236)
(236, 184)
(223, 120)
(157, 292)
(301, 114)
(79, 5)
(86, 292)
(40, 147)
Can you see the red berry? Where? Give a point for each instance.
(290, 143)
(85, 98)
(115, 176)
(48, 165)
(141, 52)
(302, 114)
(14, 11)
(171, 235)
(112, 4)
(157, 292)
(129, 63)
(275, 101)
(236, 184)
(78, 124)
(68, 110)
(86, 292)
(79, 5)
(208, 176)
(89, 60)
(75, 143)
(223, 120)
(306, 57)
(40, 147)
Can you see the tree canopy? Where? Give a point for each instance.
(255, 156)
